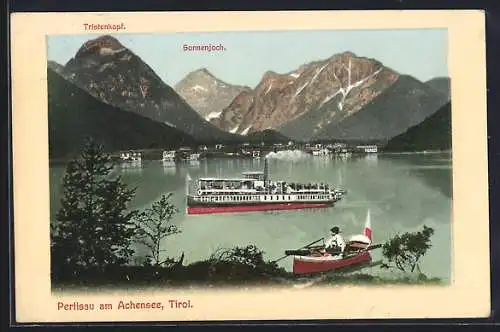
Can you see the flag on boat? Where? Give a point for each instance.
(368, 226)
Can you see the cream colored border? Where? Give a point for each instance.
(469, 294)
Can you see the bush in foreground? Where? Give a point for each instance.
(403, 252)
(234, 265)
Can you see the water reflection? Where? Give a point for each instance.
(132, 166)
(169, 167)
(371, 159)
(194, 163)
(435, 170)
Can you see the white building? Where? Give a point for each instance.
(367, 148)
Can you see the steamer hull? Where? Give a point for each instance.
(195, 207)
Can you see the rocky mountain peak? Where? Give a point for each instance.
(204, 71)
(340, 84)
(207, 94)
(270, 75)
(272, 81)
(117, 76)
(200, 73)
(345, 55)
(103, 45)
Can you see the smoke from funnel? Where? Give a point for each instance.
(294, 155)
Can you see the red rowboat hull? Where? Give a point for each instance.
(255, 207)
(311, 264)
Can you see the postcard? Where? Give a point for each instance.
(212, 166)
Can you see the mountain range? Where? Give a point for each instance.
(342, 97)
(441, 84)
(434, 133)
(345, 97)
(74, 115)
(207, 94)
(116, 76)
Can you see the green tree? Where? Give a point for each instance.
(153, 225)
(404, 251)
(93, 228)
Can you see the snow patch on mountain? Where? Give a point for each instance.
(198, 88)
(317, 73)
(110, 51)
(213, 115)
(269, 88)
(244, 132)
(299, 90)
(346, 90)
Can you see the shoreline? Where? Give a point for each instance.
(64, 160)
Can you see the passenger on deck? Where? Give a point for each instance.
(336, 241)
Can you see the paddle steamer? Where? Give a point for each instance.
(254, 191)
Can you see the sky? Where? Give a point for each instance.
(421, 53)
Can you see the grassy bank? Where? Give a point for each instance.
(211, 273)
(241, 282)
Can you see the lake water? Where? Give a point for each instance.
(402, 192)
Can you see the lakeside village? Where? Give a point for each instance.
(245, 150)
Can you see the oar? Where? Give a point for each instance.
(374, 246)
(304, 247)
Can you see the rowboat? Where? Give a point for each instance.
(312, 259)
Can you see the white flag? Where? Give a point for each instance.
(368, 226)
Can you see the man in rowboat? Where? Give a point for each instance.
(336, 241)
